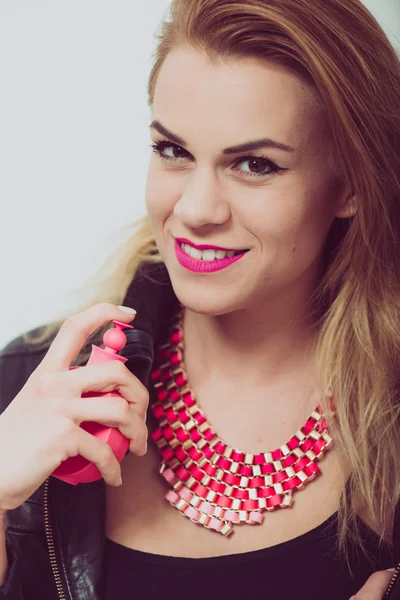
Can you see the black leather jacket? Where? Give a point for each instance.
(55, 539)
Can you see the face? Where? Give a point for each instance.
(272, 205)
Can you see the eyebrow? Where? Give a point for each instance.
(254, 145)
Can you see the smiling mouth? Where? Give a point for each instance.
(205, 259)
(206, 252)
(209, 254)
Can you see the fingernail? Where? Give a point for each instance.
(145, 449)
(128, 310)
(392, 569)
(120, 481)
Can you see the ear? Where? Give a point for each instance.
(348, 208)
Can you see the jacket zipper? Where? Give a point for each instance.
(395, 577)
(50, 543)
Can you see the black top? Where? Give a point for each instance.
(307, 567)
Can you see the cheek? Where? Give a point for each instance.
(289, 225)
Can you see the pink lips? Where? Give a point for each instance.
(204, 266)
(202, 246)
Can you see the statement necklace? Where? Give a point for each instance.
(212, 484)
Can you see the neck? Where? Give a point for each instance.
(249, 347)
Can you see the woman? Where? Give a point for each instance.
(268, 262)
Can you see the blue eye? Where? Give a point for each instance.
(261, 163)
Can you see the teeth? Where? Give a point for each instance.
(194, 253)
(206, 255)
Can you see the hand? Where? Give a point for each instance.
(40, 428)
(375, 586)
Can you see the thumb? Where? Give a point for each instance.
(375, 586)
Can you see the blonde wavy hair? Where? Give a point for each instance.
(338, 46)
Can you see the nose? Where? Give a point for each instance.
(202, 201)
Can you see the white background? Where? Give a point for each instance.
(74, 141)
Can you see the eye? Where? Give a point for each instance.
(258, 166)
(177, 152)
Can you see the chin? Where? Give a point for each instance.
(204, 299)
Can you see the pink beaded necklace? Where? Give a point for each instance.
(212, 484)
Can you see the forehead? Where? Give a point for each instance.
(234, 98)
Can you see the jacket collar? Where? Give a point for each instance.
(151, 295)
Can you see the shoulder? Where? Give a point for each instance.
(19, 347)
(18, 359)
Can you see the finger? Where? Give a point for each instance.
(375, 587)
(108, 377)
(136, 431)
(112, 412)
(101, 454)
(138, 434)
(74, 332)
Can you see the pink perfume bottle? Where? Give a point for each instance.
(78, 469)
